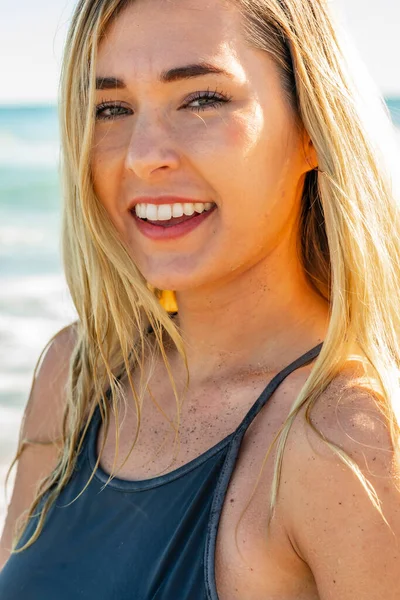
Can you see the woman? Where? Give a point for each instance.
(219, 150)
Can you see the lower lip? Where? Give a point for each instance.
(158, 232)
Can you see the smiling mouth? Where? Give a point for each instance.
(173, 221)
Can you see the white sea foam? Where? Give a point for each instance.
(33, 286)
(14, 236)
(32, 309)
(15, 151)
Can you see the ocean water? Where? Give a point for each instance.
(34, 299)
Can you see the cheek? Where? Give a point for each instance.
(259, 178)
(269, 157)
(242, 164)
(244, 131)
(106, 166)
(236, 136)
(226, 156)
(107, 173)
(252, 163)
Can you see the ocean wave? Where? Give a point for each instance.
(16, 151)
(19, 353)
(26, 235)
(32, 286)
(32, 310)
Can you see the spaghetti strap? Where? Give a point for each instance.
(274, 383)
(161, 530)
(229, 465)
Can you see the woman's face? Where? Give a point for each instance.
(225, 138)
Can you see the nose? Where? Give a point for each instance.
(152, 148)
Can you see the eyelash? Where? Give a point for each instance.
(218, 97)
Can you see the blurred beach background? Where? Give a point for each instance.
(34, 300)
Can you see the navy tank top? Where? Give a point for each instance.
(152, 539)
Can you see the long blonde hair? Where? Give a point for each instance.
(348, 240)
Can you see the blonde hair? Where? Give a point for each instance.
(348, 240)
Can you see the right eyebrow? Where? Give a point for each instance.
(109, 83)
(168, 76)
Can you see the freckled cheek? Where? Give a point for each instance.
(106, 185)
(236, 135)
(107, 156)
(109, 148)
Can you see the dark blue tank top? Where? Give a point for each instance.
(133, 540)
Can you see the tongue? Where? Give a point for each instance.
(173, 221)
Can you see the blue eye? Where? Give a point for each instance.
(215, 99)
(109, 106)
(112, 110)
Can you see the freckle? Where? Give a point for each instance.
(374, 458)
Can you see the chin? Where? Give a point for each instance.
(178, 284)
(183, 272)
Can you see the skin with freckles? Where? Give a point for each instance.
(246, 308)
(240, 147)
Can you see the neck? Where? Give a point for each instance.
(260, 320)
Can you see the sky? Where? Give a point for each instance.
(32, 33)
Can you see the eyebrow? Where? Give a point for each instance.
(169, 76)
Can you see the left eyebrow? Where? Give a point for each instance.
(169, 76)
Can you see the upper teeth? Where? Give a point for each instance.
(164, 212)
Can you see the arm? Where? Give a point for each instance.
(42, 421)
(332, 523)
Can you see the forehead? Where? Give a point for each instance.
(150, 35)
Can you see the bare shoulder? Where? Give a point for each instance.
(332, 523)
(347, 413)
(44, 409)
(42, 422)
